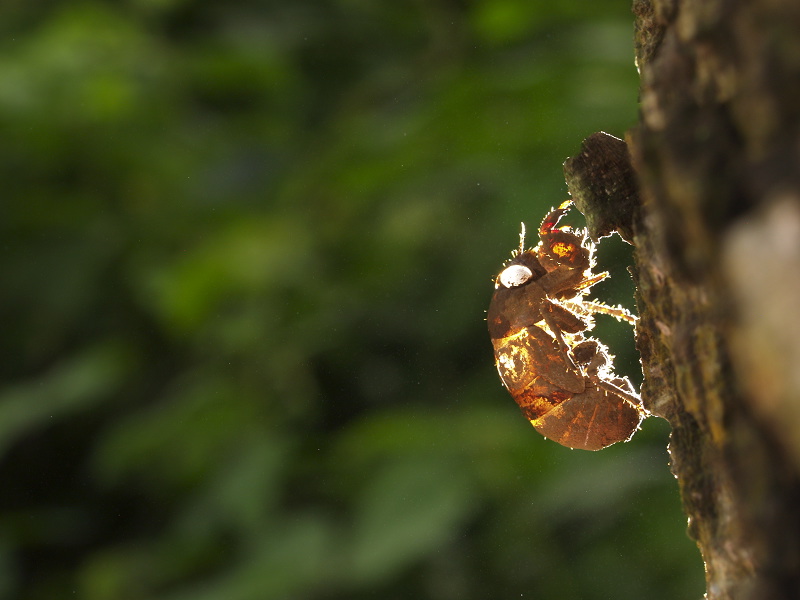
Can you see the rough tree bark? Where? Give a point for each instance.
(708, 191)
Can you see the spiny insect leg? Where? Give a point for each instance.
(553, 217)
(594, 306)
(631, 399)
(589, 282)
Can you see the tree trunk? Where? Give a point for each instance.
(716, 226)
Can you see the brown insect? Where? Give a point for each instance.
(562, 380)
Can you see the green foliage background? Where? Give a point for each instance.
(246, 251)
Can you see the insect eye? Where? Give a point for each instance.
(515, 276)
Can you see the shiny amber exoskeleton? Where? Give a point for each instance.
(562, 381)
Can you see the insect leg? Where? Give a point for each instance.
(587, 283)
(618, 312)
(556, 331)
(633, 400)
(553, 217)
(592, 356)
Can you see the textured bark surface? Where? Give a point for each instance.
(716, 225)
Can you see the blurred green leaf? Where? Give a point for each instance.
(288, 559)
(407, 510)
(77, 384)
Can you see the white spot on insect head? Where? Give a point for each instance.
(515, 276)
